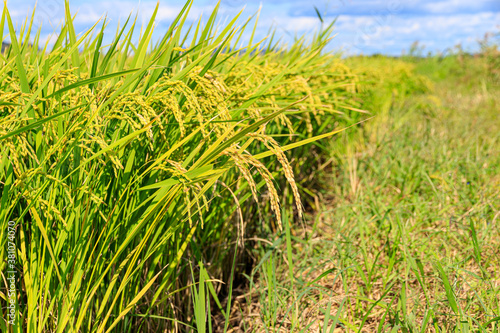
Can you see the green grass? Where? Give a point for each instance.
(407, 235)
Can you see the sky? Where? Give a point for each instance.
(362, 26)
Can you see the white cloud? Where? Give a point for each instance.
(439, 32)
(366, 26)
(50, 39)
(293, 24)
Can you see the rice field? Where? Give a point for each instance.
(198, 183)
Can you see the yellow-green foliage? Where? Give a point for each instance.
(383, 85)
(121, 170)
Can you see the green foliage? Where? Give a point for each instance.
(124, 165)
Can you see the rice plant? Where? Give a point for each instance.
(122, 165)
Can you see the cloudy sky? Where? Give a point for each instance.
(363, 26)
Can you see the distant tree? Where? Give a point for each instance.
(5, 46)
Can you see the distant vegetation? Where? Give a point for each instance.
(5, 46)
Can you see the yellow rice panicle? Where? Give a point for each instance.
(268, 178)
(274, 147)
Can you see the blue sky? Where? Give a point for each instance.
(363, 26)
